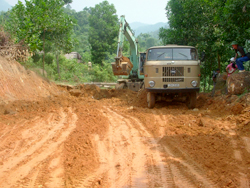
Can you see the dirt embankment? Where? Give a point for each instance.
(17, 83)
(83, 136)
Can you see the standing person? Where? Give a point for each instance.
(215, 75)
(89, 65)
(244, 56)
(231, 67)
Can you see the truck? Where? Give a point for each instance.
(170, 72)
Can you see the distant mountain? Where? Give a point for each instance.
(139, 28)
(135, 25)
(4, 5)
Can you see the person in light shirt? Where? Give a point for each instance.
(89, 65)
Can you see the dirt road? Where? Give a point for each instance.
(87, 137)
(71, 137)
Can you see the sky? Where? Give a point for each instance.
(149, 12)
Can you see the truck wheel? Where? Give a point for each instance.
(151, 99)
(191, 100)
(119, 86)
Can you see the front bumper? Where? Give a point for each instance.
(173, 90)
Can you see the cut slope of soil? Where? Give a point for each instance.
(17, 83)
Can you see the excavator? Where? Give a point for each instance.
(130, 69)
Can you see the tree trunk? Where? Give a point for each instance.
(209, 81)
(218, 60)
(210, 76)
(58, 67)
(204, 85)
(43, 49)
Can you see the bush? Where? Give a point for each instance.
(70, 70)
(49, 57)
(103, 73)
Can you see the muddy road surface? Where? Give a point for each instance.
(76, 137)
(87, 137)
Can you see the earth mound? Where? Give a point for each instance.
(17, 83)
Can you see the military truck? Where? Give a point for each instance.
(172, 72)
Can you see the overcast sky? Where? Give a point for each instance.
(143, 11)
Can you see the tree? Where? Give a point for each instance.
(38, 21)
(237, 24)
(146, 40)
(3, 17)
(67, 1)
(81, 32)
(103, 30)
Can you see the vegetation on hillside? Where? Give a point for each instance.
(49, 34)
(210, 26)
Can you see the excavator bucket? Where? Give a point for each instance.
(122, 66)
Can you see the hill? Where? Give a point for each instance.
(147, 28)
(4, 5)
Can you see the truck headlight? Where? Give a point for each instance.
(194, 83)
(151, 83)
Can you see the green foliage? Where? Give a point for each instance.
(146, 41)
(81, 32)
(238, 21)
(210, 26)
(102, 73)
(70, 70)
(38, 19)
(103, 30)
(67, 1)
(49, 58)
(3, 17)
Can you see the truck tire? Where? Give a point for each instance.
(151, 99)
(119, 86)
(191, 100)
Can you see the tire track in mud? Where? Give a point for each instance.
(41, 143)
(185, 171)
(128, 156)
(162, 175)
(243, 180)
(129, 148)
(161, 121)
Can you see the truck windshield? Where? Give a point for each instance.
(161, 54)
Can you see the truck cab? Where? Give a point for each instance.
(172, 72)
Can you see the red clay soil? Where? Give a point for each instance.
(84, 136)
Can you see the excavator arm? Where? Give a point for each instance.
(124, 65)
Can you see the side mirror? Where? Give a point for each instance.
(203, 54)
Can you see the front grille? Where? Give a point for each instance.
(174, 74)
(173, 79)
(173, 71)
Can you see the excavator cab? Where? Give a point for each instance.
(141, 62)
